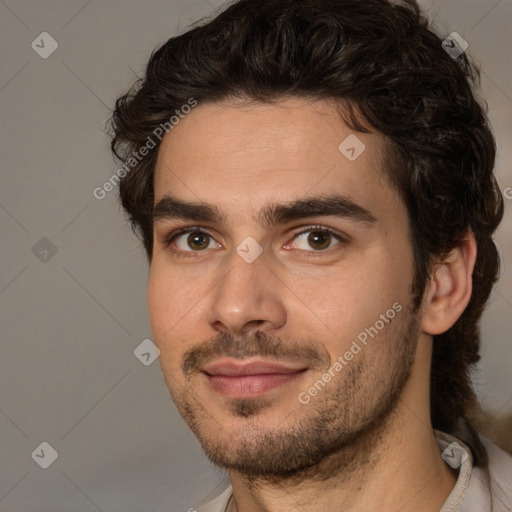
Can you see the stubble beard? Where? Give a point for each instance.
(336, 433)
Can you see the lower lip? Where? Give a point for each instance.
(244, 386)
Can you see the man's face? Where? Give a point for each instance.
(252, 310)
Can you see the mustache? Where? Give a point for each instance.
(259, 344)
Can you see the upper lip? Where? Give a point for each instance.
(230, 367)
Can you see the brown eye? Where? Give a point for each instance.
(192, 241)
(312, 240)
(319, 240)
(198, 241)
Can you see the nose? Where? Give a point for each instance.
(248, 298)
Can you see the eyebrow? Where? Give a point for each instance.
(169, 208)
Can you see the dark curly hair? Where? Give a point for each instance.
(386, 69)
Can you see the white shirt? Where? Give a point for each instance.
(471, 492)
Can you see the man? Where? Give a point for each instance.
(312, 181)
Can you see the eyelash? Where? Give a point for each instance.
(194, 229)
(321, 229)
(175, 234)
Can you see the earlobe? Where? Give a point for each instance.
(449, 289)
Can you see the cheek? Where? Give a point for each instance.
(354, 301)
(167, 304)
(158, 301)
(167, 290)
(175, 310)
(162, 319)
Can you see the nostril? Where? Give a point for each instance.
(253, 323)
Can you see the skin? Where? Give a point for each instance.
(366, 438)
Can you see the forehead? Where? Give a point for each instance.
(228, 153)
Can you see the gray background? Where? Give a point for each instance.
(72, 320)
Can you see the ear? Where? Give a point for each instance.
(449, 290)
